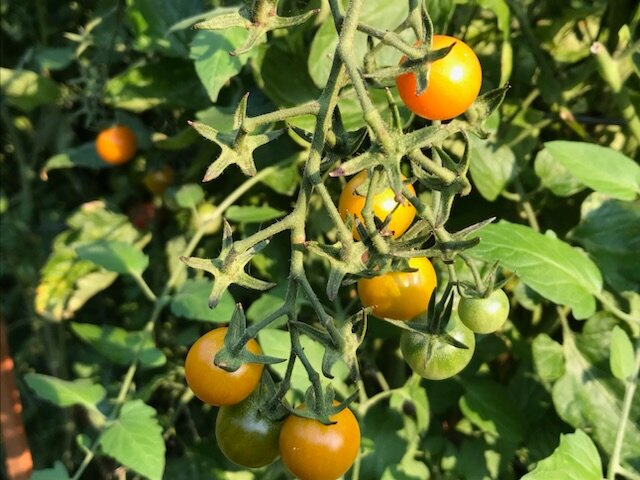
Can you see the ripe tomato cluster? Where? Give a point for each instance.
(250, 438)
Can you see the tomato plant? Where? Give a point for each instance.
(400, 295)
(313, 451)
(484, 315)
(384, 204)
(246, 435)
(432, 356)
(117, 144)
(212, 384)
(454, 82)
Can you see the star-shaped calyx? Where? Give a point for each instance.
(228, 268)
(237, 146)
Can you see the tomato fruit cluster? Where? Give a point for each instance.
(484, 315)
(313, 451)
(400, 295)
(384, 203)
(116, 145)
(454, 82)
(212, 384)
(432, 357)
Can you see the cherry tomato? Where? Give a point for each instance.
(313, 451)
(383, 204)
(454, 82)
(212, 384)
(400, 295)
(432, 357)
(142, 214)
(158, 180)
(116, 145)
(484, 315)
(245, 435)
(205, 218)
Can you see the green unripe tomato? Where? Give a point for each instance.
(204, 216)
(484, 315)
(246, 436)
(432, 357)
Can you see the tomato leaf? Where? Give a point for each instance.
(57, 472)
(600, 168)
(548, 357)
(191, 302)
(492, 167)
(576, 458)
(588, 397)
(210, 52)
(135, 440)
(546, 264)
(621, 359)
(65, 393)
(27, 90)
(251, 214)
(115, 256)
(119, 345)
(189, 195)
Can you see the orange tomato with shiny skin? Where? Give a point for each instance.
(212, 384)
(454, 82)
(116, 145)
(384, 204)
(400, 295)
(313, 451)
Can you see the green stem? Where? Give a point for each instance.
(611, 307)
(631, 384)
(611, 75)
(309, 108)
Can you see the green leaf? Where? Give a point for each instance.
(608, 230)
(548, 357)
(210, 52)
(621, 359)
(546, 264)
(576, 458)
(285, 179)
(164, 83)
(58, 472)
(600, 168)
(82, 156)
(135, 440)
(488, 406)
(191, 301)
(119, 345)
(67, 282)
(55, 58)
(189, 195)
(589, 397)
(115, 256)
(491, 167)
(383, 445)
(65, 393)
(251, 214)
(411, 400)
(27, 90)
(151, 22)
(555, 176)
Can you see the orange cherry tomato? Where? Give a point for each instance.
(212, 384)
(400, 295)
(158, 180)
(454, 82)
(383, 204)
(116, 145)
(313, 451)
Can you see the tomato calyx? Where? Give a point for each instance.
(321, 405)
(234, 352)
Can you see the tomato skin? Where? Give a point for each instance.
(484, 315)
(142, 215)
(313, 451)
(454, 82)
(246, 436)
(158, 180)
(116, 145)
(212, 384)
(445, 360)
(383, 204)
(400, 295)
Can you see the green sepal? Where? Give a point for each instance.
(483, 107)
